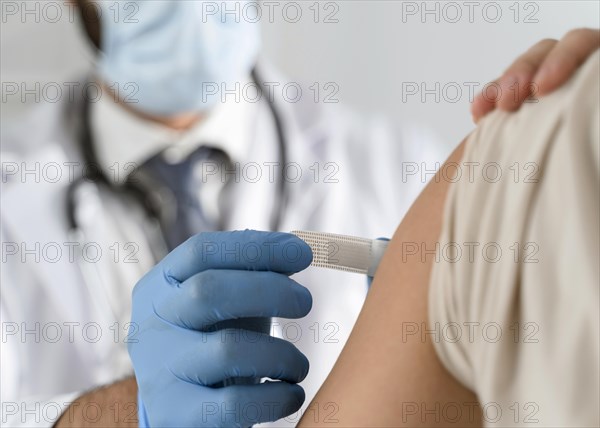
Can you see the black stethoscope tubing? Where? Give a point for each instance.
(90, 158)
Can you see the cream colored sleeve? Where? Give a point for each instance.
(514, 296)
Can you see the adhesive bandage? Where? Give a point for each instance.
(342, 252)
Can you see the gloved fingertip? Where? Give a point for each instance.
(306, 251)
(298, 394)
(306, 368)
(304, 299)
(296, 253)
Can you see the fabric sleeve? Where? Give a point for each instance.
(514, 294)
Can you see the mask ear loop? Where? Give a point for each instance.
(84, 8)
(90, 50)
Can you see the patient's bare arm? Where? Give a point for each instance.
(382, 377)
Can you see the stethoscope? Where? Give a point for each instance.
(149, 204)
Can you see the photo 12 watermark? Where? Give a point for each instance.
(452, 92)
(469, 332)
(472, 252)
(48, 412)
(470, 172)
(53, 252)
(454, 412)
(36, 92)
(470, 12)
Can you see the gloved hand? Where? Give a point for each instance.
(181, 354)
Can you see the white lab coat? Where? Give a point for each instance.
(62, 335)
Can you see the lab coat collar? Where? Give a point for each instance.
(121, 137)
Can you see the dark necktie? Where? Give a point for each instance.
(177, 188)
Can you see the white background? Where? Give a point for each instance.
(374, 49)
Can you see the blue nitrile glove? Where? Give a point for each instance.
(186, 339)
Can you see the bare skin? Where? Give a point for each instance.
(381, 377)
(114, 405)
(542, 69)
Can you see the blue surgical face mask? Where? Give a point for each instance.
(166, 56)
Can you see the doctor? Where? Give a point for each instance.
(140, 178)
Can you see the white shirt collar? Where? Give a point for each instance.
(121, 137)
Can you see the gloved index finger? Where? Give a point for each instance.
(240, 250)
